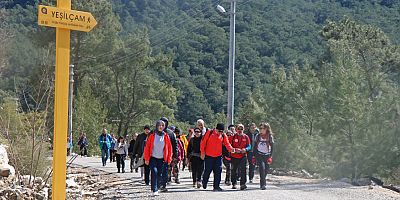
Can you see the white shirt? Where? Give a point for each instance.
(158, 148)
(263, 147)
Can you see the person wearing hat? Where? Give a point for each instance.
(138, 150)
(241, 143)
(211, 153)
(157, 154)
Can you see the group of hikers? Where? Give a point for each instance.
(161, 152)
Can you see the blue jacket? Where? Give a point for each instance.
(107, 140)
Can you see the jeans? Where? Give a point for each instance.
(250, 156)
(104, 156)
(165, 173)
(239, 165)
(197, 168)
(264, 168)
(157, 169)
(120, 161)
(213, 164)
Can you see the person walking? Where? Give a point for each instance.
(167, 172)
(211, 153)
(241, 143)
(253, 131)
(185, 142)
(130, 151)
(181, 154)
(105, 140)
(226, 160)
(193, 154)
(121, 151)
(138, 150)
(157, 153)
(263, 149)
(112, 148)
(83, 143)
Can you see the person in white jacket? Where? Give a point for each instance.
(121, 149)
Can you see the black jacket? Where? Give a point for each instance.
(131, 145)
(252, 137)
(194, 146)
(174, 143)
(140, 143)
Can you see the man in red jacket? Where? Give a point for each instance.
(211, 153)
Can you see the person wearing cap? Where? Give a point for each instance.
(193, 154)
(211, 153)
(138, 150)
(241, 143)
(157, 153)
(167, 168)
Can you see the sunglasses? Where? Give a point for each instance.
(197, 131)
(220, 131)
(240, 129)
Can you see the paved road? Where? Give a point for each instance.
(279, 188)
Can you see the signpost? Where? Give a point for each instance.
(64, 20)
(67, 19)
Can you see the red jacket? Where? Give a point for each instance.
(211, 144)
(148, 149)
(240, 142)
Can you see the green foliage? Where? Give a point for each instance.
(88, 115)
(25, 134)
(330, 95)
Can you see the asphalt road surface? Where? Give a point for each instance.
(278, 188)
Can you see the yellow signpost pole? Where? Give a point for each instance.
(65, 20)
(61, 108)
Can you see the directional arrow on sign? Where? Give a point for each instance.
(68, 19)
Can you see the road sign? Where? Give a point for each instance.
(64, 18)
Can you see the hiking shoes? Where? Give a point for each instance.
(243, 187)
(218, 189)
(198, 185)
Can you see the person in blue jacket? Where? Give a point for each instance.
(105, 140)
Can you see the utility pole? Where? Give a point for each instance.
(231, 76)
(70, 98)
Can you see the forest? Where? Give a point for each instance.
(323, 73)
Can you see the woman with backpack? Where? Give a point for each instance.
(121, 151)
(262, 150)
